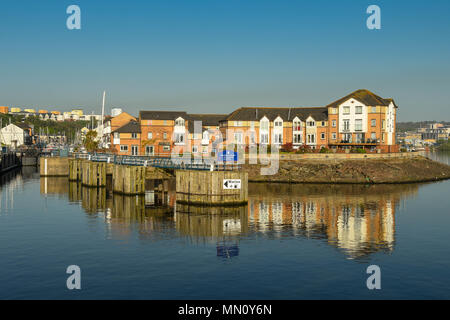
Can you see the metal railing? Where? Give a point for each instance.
(159, 162)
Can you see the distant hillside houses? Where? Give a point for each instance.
(75, 114)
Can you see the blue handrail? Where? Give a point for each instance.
(158, 162)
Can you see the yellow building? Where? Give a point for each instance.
(78, 112)
(55, 112)
(15, 110)
(30, 110)
(43, 111)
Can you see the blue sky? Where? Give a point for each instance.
(214, 56)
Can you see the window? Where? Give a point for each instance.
(166, 148)
(278, 138)
(134, 150)
(383, 123)
(164, 135)
(322, 136)
(373, 136)
(382, 137)
(311, 123)
(123, 148)
(150, 135)
(179, 137)
(373, 122)
(297, 138)
(116, 135)
(252, 137)
(333, 136)
(374, 109)
(264, 138)
(149, 150)
(297, 126)
(278, 123)
(238, 137)
(323, 123)
(348, 137)
(194, 149)
(358, 125)
(311, 138)
(333, 123)
(346, 110)
(358, 110)
(346, 125)
(264, 125)
(179, 122)
(134, 135)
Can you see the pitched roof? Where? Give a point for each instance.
(207, 119)
(210, 120)
(363, 96)
(287, 114)
(130, 127)
(162, 115)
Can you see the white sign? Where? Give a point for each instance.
(231, 183)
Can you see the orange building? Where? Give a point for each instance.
(121, 120)
(162, 130)
(358, 120)
(4, 109)
(127, 139)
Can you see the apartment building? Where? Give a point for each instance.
(127, 139)
(162, 130)
(359, 120)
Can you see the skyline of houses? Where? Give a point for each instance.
(360, 119)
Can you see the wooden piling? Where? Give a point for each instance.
(205, 188)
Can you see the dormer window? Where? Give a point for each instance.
(179, 122)
(297, 125)
(311, 123)
(278, 123)
(358, 110)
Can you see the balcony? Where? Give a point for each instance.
(359, 142)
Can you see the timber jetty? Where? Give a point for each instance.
(196, 183)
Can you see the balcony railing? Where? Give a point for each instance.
(357, 142)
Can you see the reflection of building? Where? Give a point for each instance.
(357, 219)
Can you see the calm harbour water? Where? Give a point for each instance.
(290, 242)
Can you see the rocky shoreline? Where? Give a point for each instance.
(367, 171)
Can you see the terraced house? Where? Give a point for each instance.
(359, 120)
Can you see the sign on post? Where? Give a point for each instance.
(229, 184)
(227, 156)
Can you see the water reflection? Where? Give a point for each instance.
(358, 220)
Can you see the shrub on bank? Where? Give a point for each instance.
(358, 150)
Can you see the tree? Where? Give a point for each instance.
(89, 141)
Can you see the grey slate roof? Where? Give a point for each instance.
(130, 127)
(161, 115)
(287, 114)
(364, 96)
